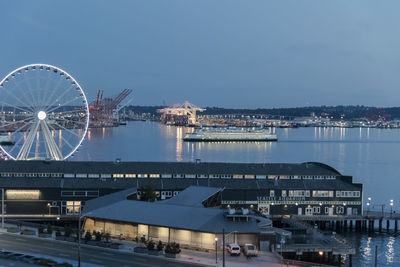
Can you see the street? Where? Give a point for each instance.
(89, 256)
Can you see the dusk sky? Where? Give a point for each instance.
(227, 53)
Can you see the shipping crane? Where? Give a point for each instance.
(103, 110)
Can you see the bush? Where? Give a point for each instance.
(41, 229)
(88, 236)
(107, 237)
(98, 236)
(49, 229)
(67, 231)
(143, 239)
(160, 246)
(172, 248)
(151, 245)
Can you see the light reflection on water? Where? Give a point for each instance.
(371, 156)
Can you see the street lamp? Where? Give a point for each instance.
(391, 207)
(49, 206)
(216, 251)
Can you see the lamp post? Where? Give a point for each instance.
(49, 206)
(79, 237)
(368, 204)
(391, 208)
(216, 251)
(2, 208)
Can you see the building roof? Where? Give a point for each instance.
(193, 196)
(163, 214)
(308, 168)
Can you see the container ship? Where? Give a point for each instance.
(230, 135)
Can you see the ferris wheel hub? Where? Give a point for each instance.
(41, 115)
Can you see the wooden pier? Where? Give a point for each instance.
(370, 221)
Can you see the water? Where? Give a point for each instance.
(371, 156)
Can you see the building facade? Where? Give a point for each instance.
(62, 187)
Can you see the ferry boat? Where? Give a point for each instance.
(230, 135)
(5, 140)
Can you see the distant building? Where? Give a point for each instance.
(61, 188)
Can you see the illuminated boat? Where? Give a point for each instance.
(230, 135)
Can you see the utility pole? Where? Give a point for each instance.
(376, 256)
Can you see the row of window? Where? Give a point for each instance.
(145, 175)
(79, 193)
(315, 193)
(347, 193)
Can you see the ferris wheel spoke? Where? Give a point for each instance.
(16, 144)
(68, 130)
(22, 92)
(70, 120)
(16, 98)
(14, 122)
(53, 149)
(26, 147)
(54, 103)
(35, 101)
(50, 97)
(40, 103)
(64, 105)
(16, 107)
(64, 139)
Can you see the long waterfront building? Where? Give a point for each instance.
(62, 187)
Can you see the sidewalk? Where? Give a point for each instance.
(192, 256)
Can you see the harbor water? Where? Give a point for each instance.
(370, 155)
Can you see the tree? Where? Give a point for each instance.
(148, 192)
(49, 229)
(88, 236)
(160, 245)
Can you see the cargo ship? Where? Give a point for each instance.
(230, 135)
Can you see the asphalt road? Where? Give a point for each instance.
(95, 256)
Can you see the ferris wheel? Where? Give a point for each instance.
(43, 112)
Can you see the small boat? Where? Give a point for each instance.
(230, 135)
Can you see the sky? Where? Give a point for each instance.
(226, 53)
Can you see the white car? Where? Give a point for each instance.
(233, 249)
(249, 250)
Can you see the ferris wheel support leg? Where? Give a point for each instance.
(53, 149)
(23, 153)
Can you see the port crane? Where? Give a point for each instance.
(104, 111)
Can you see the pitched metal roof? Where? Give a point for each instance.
(162, 214)
(193, 196)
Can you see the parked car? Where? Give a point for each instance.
(233, 249)
(249, 250)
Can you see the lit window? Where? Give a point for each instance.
(154, 176)
(283, 193)
(271, 193)
(130, 175)
(118, 175)
(22, 194)
(238, 176)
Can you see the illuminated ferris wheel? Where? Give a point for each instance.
(43, 112)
